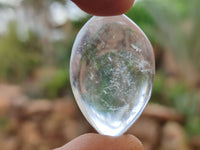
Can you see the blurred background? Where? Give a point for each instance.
(37, 108)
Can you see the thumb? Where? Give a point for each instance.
(101, 142)
(104, 7)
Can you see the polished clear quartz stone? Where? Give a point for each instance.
(112, 72)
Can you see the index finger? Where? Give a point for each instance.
(104, 7)
(101, 142)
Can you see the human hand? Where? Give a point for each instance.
(104, 7)
(93, 141)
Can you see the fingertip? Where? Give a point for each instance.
(104, 7)
(93, 141)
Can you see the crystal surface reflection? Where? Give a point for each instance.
(112, 72)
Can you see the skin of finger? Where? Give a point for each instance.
(101, 142)
(104, 7)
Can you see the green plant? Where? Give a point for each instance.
(193, 125)
(4, 123)
(18, 58)
(60, 81)
(142, 18)
(177, 27)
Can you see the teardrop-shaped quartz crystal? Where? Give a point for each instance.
(112, 73)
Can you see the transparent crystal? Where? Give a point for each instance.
(112, 72)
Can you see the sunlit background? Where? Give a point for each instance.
(37, 108)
